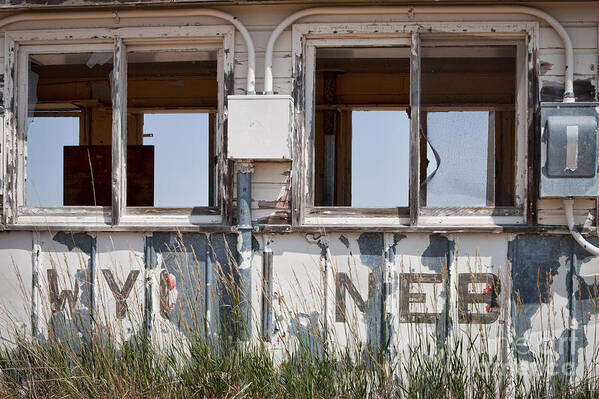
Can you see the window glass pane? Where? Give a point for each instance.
(361, 129)
(460, 140)
(468, 102)
(380, 158)
(180, 171)
(47, 137)
(69, 130)
(171, 100)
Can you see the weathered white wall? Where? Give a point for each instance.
(540, 309)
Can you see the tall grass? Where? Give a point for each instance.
(465, 364)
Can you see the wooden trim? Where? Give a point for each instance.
(362, 107)
(9, 138)
(299, 98)
(491, 178)
(135, 35)
(66, 211)
(201, 210)
(226, 86)
(212, 160)
(533, 127)
(119, 131)
(414, 192)
(342, 211)
(486, 211)
(437, 229)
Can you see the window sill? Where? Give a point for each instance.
(491, 217)
(74, 218)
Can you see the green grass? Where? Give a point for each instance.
(99, 369)
(464, 365)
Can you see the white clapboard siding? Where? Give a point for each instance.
(583, 36)
(551, 211)
(553, 62)
(270, 191)
(281, 65)
(280, 85)
(260, 37)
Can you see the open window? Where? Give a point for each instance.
(124, 130)
(362, 127)
(68, 116)
(414, 128)
(172, 99)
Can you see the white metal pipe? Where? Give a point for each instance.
(162, 13)
(569, 206)
(383, 10)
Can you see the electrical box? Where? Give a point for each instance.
(260, 127)
(569, 150)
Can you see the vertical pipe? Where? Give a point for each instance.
(244, 243)
(266, 294)
(150, 263)
(92, 276)
(34, 284)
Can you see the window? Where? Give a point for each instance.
(410, 128)
(68, 127)
(362, 95)
(122, 130)
(468, 104)
(171, 101)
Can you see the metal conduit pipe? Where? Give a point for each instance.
(569, 207)
(244, 172)
(382, 10)
(162, 13)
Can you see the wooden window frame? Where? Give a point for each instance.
(20, 44)
(306, 37)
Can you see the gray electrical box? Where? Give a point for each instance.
(569, 150)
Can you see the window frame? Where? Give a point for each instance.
(20, 44)
(306, 37)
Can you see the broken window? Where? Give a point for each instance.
(362, 127)
(468, 97)
(171, 108)
(68, 127)
(403, 125)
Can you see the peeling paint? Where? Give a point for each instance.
(82, 241)
(435, 255)
(344, 241)
(553, 91)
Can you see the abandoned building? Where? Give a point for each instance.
(370, 170)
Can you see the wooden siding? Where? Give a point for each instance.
(271, 182)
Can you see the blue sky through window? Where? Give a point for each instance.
(180, 158)
(380, 158)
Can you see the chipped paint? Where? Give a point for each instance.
(584, 90)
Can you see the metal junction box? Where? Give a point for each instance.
(569, 149)
(260, 127)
